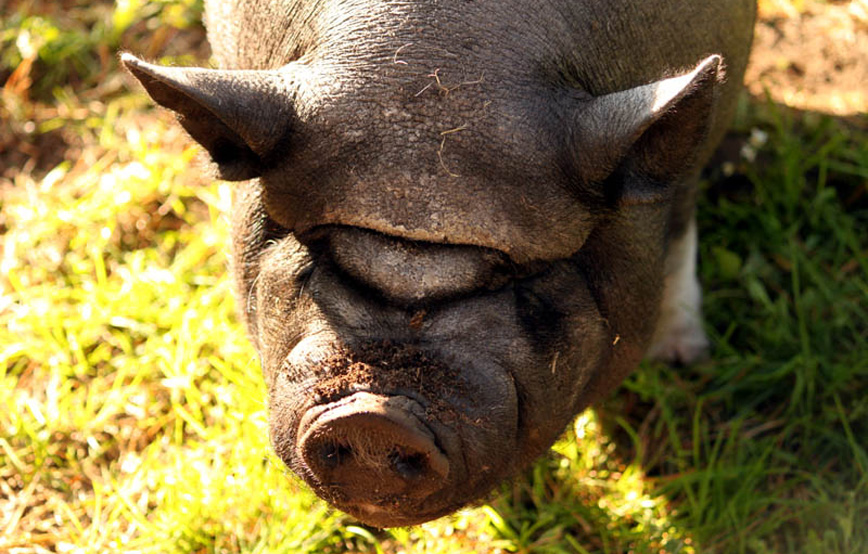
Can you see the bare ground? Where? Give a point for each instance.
(816, 60)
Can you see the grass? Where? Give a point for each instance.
(134, 417)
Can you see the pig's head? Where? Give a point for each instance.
(445, 248)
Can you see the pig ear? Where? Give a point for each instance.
(239, 117)
(655, 130)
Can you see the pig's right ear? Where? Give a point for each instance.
(239, 117)
(655, 131)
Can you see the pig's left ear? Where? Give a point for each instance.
(239, 117)
(654, 131)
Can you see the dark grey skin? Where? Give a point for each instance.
(458, 223)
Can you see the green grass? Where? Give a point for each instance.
(134, 417)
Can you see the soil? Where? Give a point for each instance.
(816, 60)
(382, 366)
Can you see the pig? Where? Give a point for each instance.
(457, 223)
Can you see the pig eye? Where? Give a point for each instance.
(303, 276)
(272, 232)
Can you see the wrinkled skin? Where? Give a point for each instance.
(458, 223)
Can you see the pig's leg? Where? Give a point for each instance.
(679, 337)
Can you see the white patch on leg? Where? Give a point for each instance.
(679, 336)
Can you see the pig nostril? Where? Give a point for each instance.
(410, 467)
(333, 454)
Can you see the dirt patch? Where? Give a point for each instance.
(816, 60)
(383, 366)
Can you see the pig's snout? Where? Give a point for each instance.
(370, 446)
(390, 433)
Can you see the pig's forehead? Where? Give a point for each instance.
(449, 113)
(414, 154)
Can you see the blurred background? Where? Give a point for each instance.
(132, 413)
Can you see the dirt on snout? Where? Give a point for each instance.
(389, 368)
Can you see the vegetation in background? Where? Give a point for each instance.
(134, 417)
